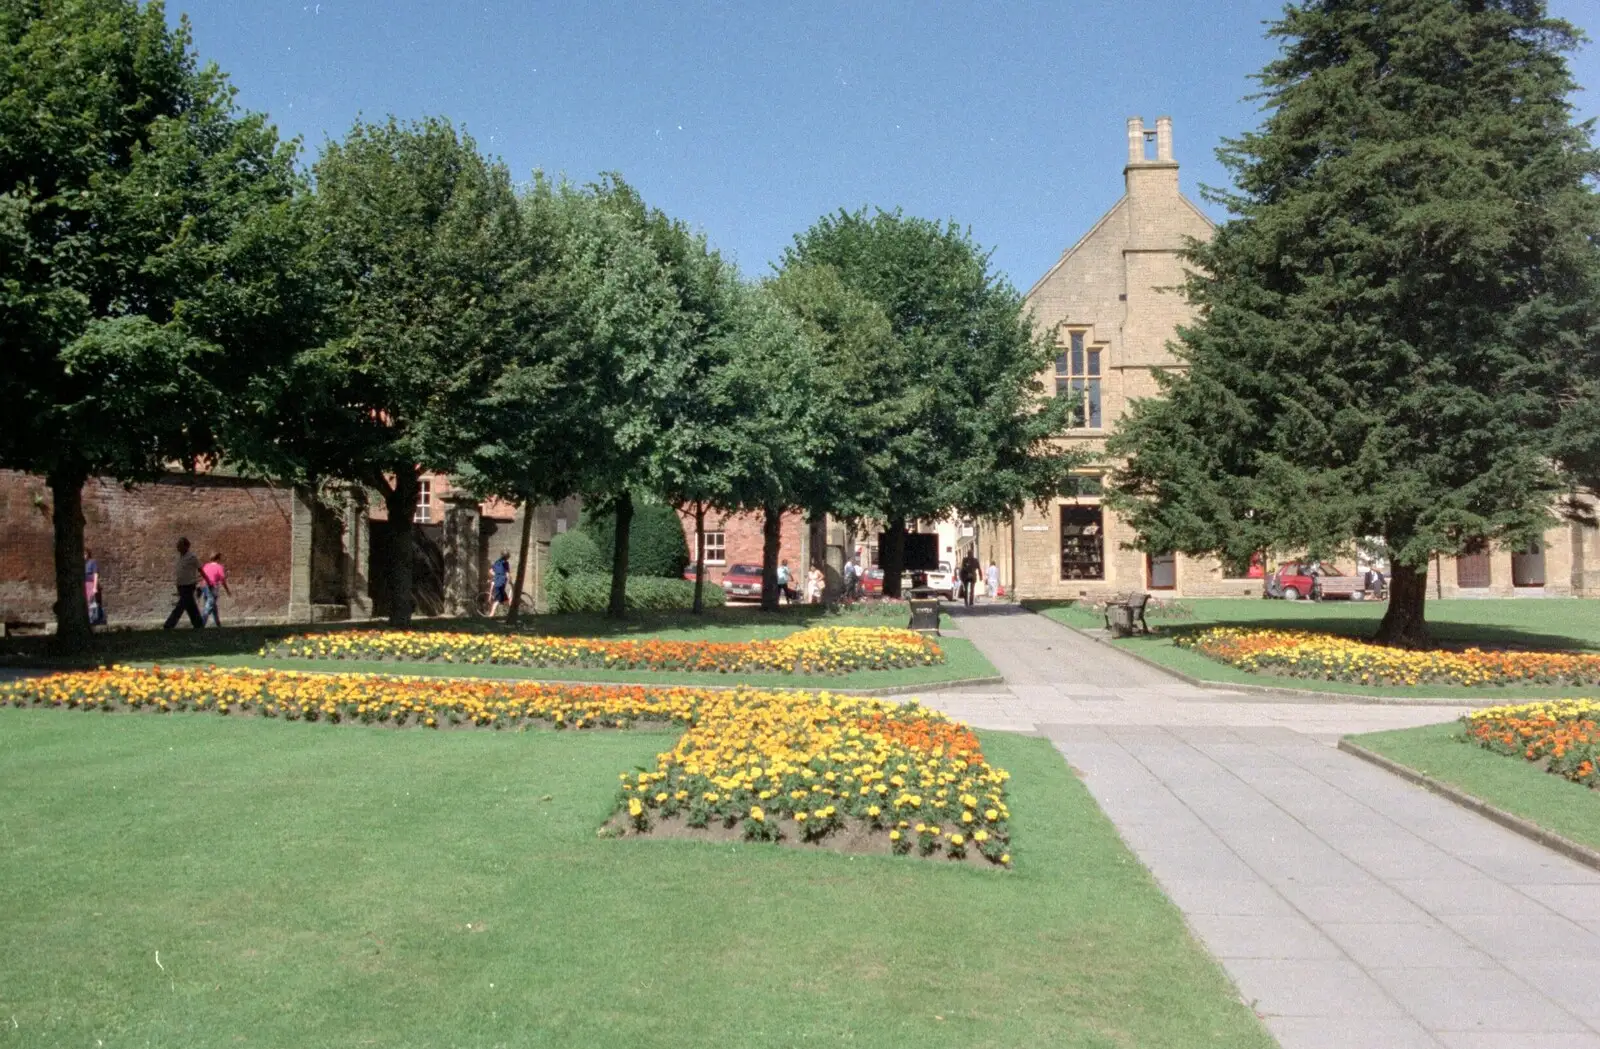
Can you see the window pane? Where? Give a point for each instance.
(1077, 357)
(1077, 395)
(1077, 343)
(1094, 402)
(1062, 389)
(1061, 364)
(1082, 543)
(1163, 571)
(1094, 362)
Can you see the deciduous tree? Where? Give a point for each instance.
(149, 256)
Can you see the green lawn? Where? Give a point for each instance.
(738, 623)
(1546, 623)
(963, 662)
(314, 885)
(1519, 787)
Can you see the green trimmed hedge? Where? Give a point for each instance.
(656, 543)
(591, 592)
(575, 553)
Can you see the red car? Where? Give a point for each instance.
(742, 582)
(872, 581)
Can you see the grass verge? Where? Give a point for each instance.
(1519, 787)
(1551, 623)
(316, 885)
(962, 662)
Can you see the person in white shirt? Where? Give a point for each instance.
(991, 576)
(187, 575)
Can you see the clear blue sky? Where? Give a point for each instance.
(749, 120)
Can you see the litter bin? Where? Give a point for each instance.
(924, 614)
(1120, 618)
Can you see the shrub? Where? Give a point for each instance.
(591, 592)
(575, 553)
(656, 543)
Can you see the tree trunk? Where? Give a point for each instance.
(522, 563)
(892, 556)
(72, 606)
(401, 502)
(618, 606)
(771, 531)
(699, 557)
(1403, 624)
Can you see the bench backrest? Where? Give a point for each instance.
(1137, 601)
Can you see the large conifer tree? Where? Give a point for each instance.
(1385, 328)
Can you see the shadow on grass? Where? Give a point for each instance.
(725, 623)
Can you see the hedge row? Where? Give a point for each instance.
(591, 591)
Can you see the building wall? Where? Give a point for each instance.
(1119, 284)
(743, 540)
(132, 533)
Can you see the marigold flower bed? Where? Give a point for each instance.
(803, 766)
(1331, 657)
(824, 650)
(1563, 735)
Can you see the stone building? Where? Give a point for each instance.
(1113, 303)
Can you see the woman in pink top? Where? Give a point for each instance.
(216, 578)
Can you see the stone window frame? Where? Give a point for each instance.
(1080, 367)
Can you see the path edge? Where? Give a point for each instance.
(1528, 829)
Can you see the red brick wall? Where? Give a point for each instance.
(743, 532)
(132, 534)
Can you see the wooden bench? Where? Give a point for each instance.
(1125, 614)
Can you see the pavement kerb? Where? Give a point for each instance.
(1528, 829)
(887, 690)
(1289, 694)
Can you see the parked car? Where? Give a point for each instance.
(872, 581)
(945, 581)
(742, 582)
(1312, 579)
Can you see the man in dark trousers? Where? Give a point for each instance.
(187, 577)
(969, 578)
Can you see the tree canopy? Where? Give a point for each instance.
(963, 423)
(149, 255)
(1388, 327)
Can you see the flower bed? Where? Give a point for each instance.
(1331, 657)
(823, 650)
(768, 766)
(1563, 735)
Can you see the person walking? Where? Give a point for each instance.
(852, 580)
(816, 582)
(969, 579)
(991, 576)
(500, 571)
(785, 583)
(215, 581)
(91, 589)
(187, 576)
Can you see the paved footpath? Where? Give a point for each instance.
(1351, 909)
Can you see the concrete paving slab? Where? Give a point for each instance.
(1475, 1000)
(1352, 908)
(1393, 945)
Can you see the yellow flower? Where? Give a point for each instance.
(757, 814)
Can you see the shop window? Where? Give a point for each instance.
(1527, 567)
(716, 548)
(1161, 570)
(424, 512)
(1083, 543)
(1078, 376)
(1472, 568)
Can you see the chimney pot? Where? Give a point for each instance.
(1135, 140)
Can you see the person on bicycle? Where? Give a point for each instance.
(501, 570)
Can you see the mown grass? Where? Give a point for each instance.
(314, 885)
(741, 623)
(1519, 787)
(963, 662)
(1569, 624)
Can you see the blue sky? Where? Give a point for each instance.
(749, 120)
